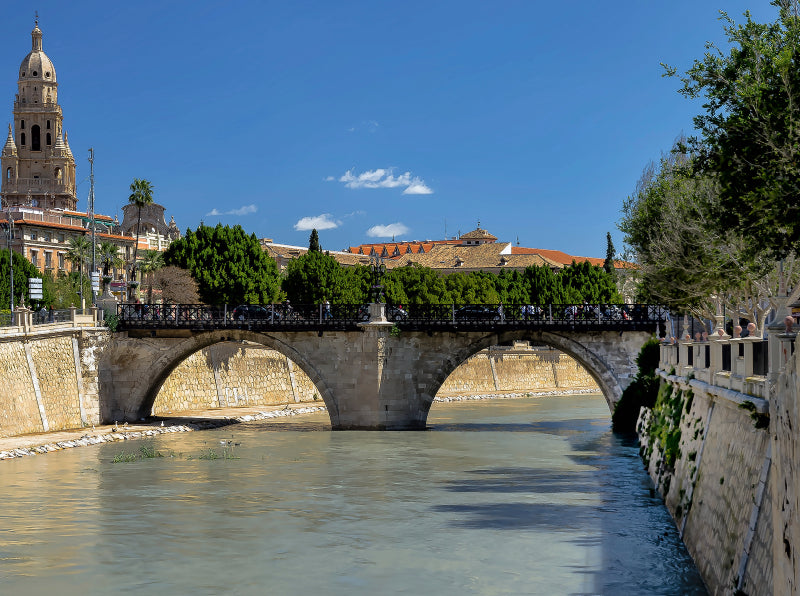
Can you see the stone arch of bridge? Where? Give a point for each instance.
(578, 347)
(166, 363)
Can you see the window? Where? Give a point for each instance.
(48, 125)
(36, 144)
(61, 260)
(22, 124)
(9, 174)
(34, 236)
(35, 258)
(47, 236)
(22, 139)
(48, 139)
(61, 237)
(48, 260)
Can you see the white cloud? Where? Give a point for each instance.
(390, 231)
(385, 178)
(418, 187)
(317, 222)
(244, 210)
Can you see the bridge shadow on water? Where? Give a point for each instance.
(604, 502)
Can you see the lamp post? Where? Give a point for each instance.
(91, 218)
(9, 230)
(377, 268)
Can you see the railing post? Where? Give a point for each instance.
(72, 312)
(550, 311)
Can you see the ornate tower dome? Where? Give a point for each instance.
(42, 172)
(36, 65)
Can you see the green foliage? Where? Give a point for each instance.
(750, 128)
(108, 257)
(608, 264)
(64, 290)
(648, 357)
(313, 241)
(665, 423)
(141, 196)
(315, 277)
(152, 261)
(111, 320)
(760, 421)
(642, 391)
(23, 269)
(228, 265)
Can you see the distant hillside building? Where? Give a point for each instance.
(477, 250)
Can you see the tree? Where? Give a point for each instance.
(78, 253)
(750, 128)
(23, 269)
(686, 259)
(608, 264)
(228, 265)
(108, 257)
(141, 196)
(315, 277)
(584, 282)
(177, 285)
(152, 261)
(313, 241)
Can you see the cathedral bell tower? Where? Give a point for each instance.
(38, 168)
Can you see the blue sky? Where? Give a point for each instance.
(367, 119)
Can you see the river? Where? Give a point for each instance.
(523, 496)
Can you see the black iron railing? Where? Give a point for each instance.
(458, 317)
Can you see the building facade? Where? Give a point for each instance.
(38, 201)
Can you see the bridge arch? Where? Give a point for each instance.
(143, 394)
(590, 350)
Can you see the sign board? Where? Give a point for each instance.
(95, 281)
(118, 286)
(35, 288)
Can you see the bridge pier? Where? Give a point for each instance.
(373, 384)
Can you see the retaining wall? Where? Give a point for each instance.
(717, 487)
(41, 381)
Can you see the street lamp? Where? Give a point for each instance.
(8, 227)
(377, 268)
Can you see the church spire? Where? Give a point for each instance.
(36, 35)
(10, 146)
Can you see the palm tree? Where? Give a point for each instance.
(109, 257)
(141, 196)
(78, 254)
(152, 261)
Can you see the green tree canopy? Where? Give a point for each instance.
(750, 127)
(315, 277)
(313, 241)
(608, 264)
(229, 266)
(141, 196)
(23, 269)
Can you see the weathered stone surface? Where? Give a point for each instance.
(367, 379)
(713, 490)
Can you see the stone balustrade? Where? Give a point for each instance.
(740, 364)
(22, 322)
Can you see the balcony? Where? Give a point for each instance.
(37, 186)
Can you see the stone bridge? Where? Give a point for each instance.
(370, 378)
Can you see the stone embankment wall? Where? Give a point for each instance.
(517, 370)
(708, 451)
(42, 384)
(233, 374)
